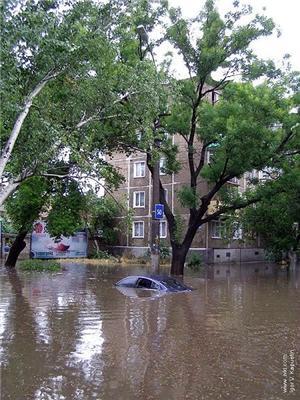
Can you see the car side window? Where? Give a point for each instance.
(144, 283)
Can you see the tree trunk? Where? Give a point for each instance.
(15, 250)
(178, 259)
(94, 238)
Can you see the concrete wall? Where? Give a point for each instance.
(209, 256)
(238, 255)
(128, 251)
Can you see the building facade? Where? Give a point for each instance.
(136, 194)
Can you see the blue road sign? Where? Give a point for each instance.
(159, 211)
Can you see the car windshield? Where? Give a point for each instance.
(172, 283)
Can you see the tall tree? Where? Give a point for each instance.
(37, 46)
(72, 87)
(249, 127)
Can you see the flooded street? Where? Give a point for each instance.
(74, 336)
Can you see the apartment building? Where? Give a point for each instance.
(136, 194)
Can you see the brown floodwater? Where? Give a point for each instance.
(74, 336)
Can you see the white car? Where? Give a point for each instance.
(161, 283)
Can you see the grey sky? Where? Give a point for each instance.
(285, 14)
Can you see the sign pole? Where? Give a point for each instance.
(155, 222)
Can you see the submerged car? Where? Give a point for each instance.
(154, 282)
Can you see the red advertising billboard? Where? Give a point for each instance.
(44, 246)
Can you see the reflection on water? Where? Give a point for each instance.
(75, 336)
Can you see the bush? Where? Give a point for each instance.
(102, 255)
(164, 252)
(40, 265)
(194, 262)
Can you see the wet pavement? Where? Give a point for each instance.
(73, 336)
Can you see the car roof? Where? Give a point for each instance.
(157, 278)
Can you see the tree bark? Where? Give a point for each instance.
(179, 253)
(93, 237)
(15, 250)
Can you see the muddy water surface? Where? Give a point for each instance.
(74, 336)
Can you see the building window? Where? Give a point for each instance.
(139, 169)
(162, 166)
(209, 157)
(163, 229)
(138, 199)
(216, 229)
(138, 229)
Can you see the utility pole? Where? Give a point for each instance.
(155, 223)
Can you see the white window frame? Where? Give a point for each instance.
(137, 196)
(162, 164)
(142, 170)
(141, 236)
(216, 226)
(166, 194)
(161, 223)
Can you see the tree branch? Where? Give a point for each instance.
(202, 158)
(218, 86)
(6, 153)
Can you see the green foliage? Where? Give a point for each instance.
(40, 265)
(102, 255)
(194, 262)
(25, 206)
(100, 217)
(61, 201)
(222, 43)
(277, 217)
(64, 217)
(243, 120)
(187, 197)
(6, 224)
(99, 91)
(179, 228)
(164, 250)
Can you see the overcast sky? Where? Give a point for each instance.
(285, 14)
